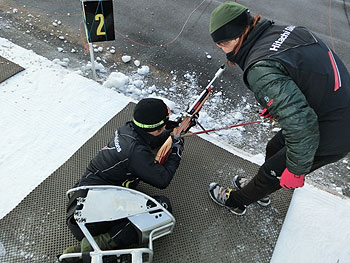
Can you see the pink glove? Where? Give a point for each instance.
(265, 114)
(290, 181)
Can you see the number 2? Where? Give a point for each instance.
(99, 31)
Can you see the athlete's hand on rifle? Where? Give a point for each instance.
(171, 125)
(178, 145)
(194, 120)
(290, 181)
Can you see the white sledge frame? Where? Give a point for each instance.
(108, 203)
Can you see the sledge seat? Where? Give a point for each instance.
(110, 203)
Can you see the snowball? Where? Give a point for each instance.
(116, 80)
(137, 63)
(126, 58)
(144, 70)
(100, 49)
(112, 51)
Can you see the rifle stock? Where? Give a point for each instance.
(165, 149)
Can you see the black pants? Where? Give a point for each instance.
(266, 181)
(121, 231)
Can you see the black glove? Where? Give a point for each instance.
(171, 125)
(194, 120)
(178, 145)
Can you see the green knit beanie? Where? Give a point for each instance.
(228, 21)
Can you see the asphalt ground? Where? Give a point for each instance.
(173, 35)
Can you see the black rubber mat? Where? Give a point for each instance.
(8, 69)
(35, 230)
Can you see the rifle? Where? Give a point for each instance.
(188, 116)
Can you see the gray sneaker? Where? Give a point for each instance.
(220, 194)
(240, 182)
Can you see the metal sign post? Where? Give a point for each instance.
(92, 59)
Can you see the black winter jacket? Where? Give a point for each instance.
(129, 158)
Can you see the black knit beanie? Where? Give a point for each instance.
(150, 114)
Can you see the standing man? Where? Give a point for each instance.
(125, 161)
(300, 82)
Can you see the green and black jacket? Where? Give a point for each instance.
(304, 85)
